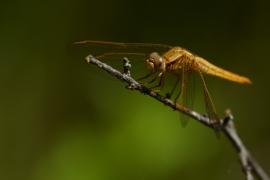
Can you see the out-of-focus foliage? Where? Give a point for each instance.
(59, 122)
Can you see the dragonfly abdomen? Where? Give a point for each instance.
(208, 68)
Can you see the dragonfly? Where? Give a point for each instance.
(160, 61)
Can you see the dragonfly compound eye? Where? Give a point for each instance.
(157, 61)
(154, 62)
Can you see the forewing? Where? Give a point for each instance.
(187, 91)
(112, 53)
(104, 49)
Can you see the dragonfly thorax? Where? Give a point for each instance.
(155, 63)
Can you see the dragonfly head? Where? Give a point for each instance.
(155, 63)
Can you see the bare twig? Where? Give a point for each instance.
(248, 163)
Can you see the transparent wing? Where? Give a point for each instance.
(112, 53)
(188, 90)
(210, 108)
(211, 112)
(105, 49)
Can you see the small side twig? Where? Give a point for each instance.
(247, 162)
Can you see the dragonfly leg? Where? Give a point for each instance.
(153, 80)
(169, 95)
(148, 75)
(161, 82)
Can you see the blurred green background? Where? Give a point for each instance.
(57, 122)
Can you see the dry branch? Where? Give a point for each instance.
(247, 162)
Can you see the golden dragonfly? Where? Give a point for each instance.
(162, 60)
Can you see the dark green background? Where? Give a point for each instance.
(57, 122)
